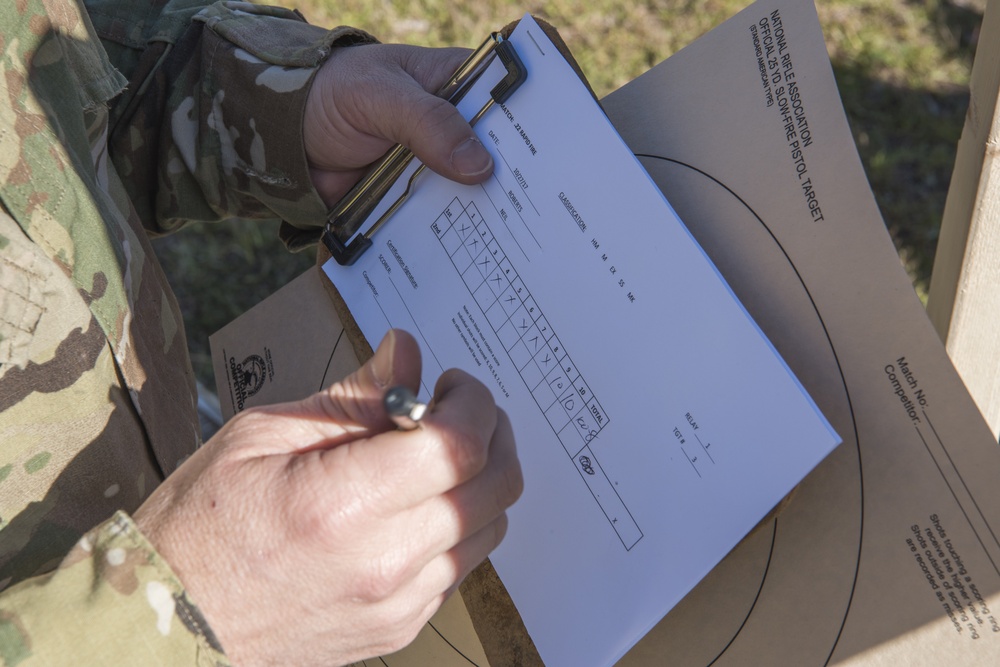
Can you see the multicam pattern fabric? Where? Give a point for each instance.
(120, 119)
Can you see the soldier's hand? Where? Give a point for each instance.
(314, 533)
(367, 98)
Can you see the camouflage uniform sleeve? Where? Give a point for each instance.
(211, 126)
(111, 579)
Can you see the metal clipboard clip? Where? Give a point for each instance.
(354, 208)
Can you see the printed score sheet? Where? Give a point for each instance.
(655, 423)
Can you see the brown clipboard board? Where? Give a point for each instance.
(495, 618)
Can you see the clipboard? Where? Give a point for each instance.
(347, 235)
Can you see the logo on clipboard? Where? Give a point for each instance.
(247, 377)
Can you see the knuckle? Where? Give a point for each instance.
(243, 428)
(433, 115)
(380, 579)
(507, 489)
(512, 477)
(499, 530)
(514, 486)
(406, 631)
(467, 450)
(398, 626)
(315, 520)
(456, 377)
(251, 417)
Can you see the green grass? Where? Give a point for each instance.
(902, 67)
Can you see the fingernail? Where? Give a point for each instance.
(471, 158)
(382, 360)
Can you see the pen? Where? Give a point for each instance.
(403, 408)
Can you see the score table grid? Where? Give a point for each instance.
(569, 406)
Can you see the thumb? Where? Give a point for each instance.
(355, 403)
(349, 410)
(428, 125)
(442, 139)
